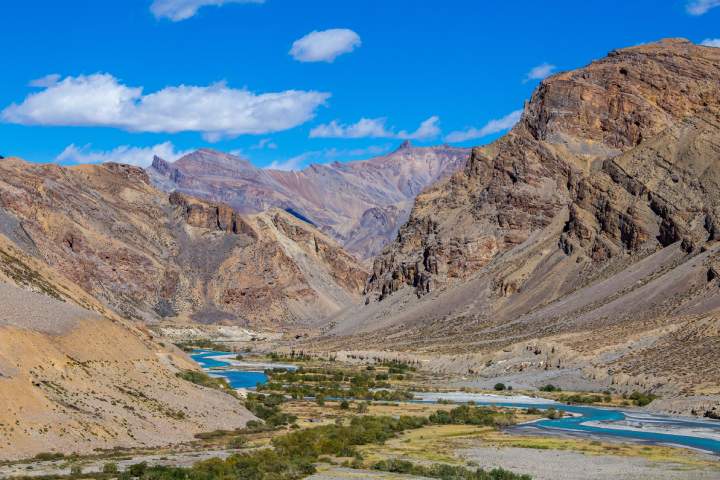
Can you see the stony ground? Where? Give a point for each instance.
(562, 465)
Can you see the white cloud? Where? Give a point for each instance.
(140, 156)
(46, 81)
(701, 7)
(334, 153)
(375, 127)
(711, 42)
(217, 111)
(326, 155)
(325, 46)
(493, 126)
(540, 71)
(265, 143)
(177, 10)
(294, 163)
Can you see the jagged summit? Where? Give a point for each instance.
(407, 144)
(593, 222)
(360, 204)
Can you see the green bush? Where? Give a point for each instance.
(267, 408)
(110, 468)
(550, 388)
(446, 472)
(49, 456)
(641, 399)
(500, 387)
(469, 415)
(205, 380)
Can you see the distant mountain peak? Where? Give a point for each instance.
(210, 156)
(406, 145)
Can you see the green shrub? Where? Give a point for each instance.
(641, 399)
(205, 380)
(470, 415)
(550, 388)
(110, 468)
(500, 387)
(446, 472)
(49, 456)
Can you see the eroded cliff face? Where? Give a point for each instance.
(582, 247)
(149, 255)
(601, 141)
(359, 204)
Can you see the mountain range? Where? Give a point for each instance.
(360, 204)
(580, 249)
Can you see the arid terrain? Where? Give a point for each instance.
(149, 255)
(579, 247)
(76, 379)
(578, 251)
(360, 204)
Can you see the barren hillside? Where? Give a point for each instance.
(149, 255)
(360, 204)
(74, 380)
(584, 241)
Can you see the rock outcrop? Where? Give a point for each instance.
(359, 204)
(149, 255)
(596, 141)
(592, 226)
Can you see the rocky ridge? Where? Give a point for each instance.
(148, 255)
(580, 246)
(360, 204)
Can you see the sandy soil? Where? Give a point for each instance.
(349, 474)
(563, 465)
(61, 467)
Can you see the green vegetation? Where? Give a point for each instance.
(500, 387)
(641, 399)
(205, 380)
(49, 456)
(446, 472)
(341, 440)
(332, 383)
(293, 356)
(469, 415)
(553, 414)
(584, 398)
(550, 388)
(200, 343)
(267, 408)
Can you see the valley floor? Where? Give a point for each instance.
(463, 445)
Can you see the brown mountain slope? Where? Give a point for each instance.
(73, 380)
(360, 204)
(584, 241)
(148, 255)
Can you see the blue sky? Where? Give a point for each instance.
(89, 81)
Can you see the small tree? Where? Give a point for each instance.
(110, 468)
(500, 387)
(344, 405)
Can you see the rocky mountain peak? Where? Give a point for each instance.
(573, 130)
(334, 197)
(407, 144)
